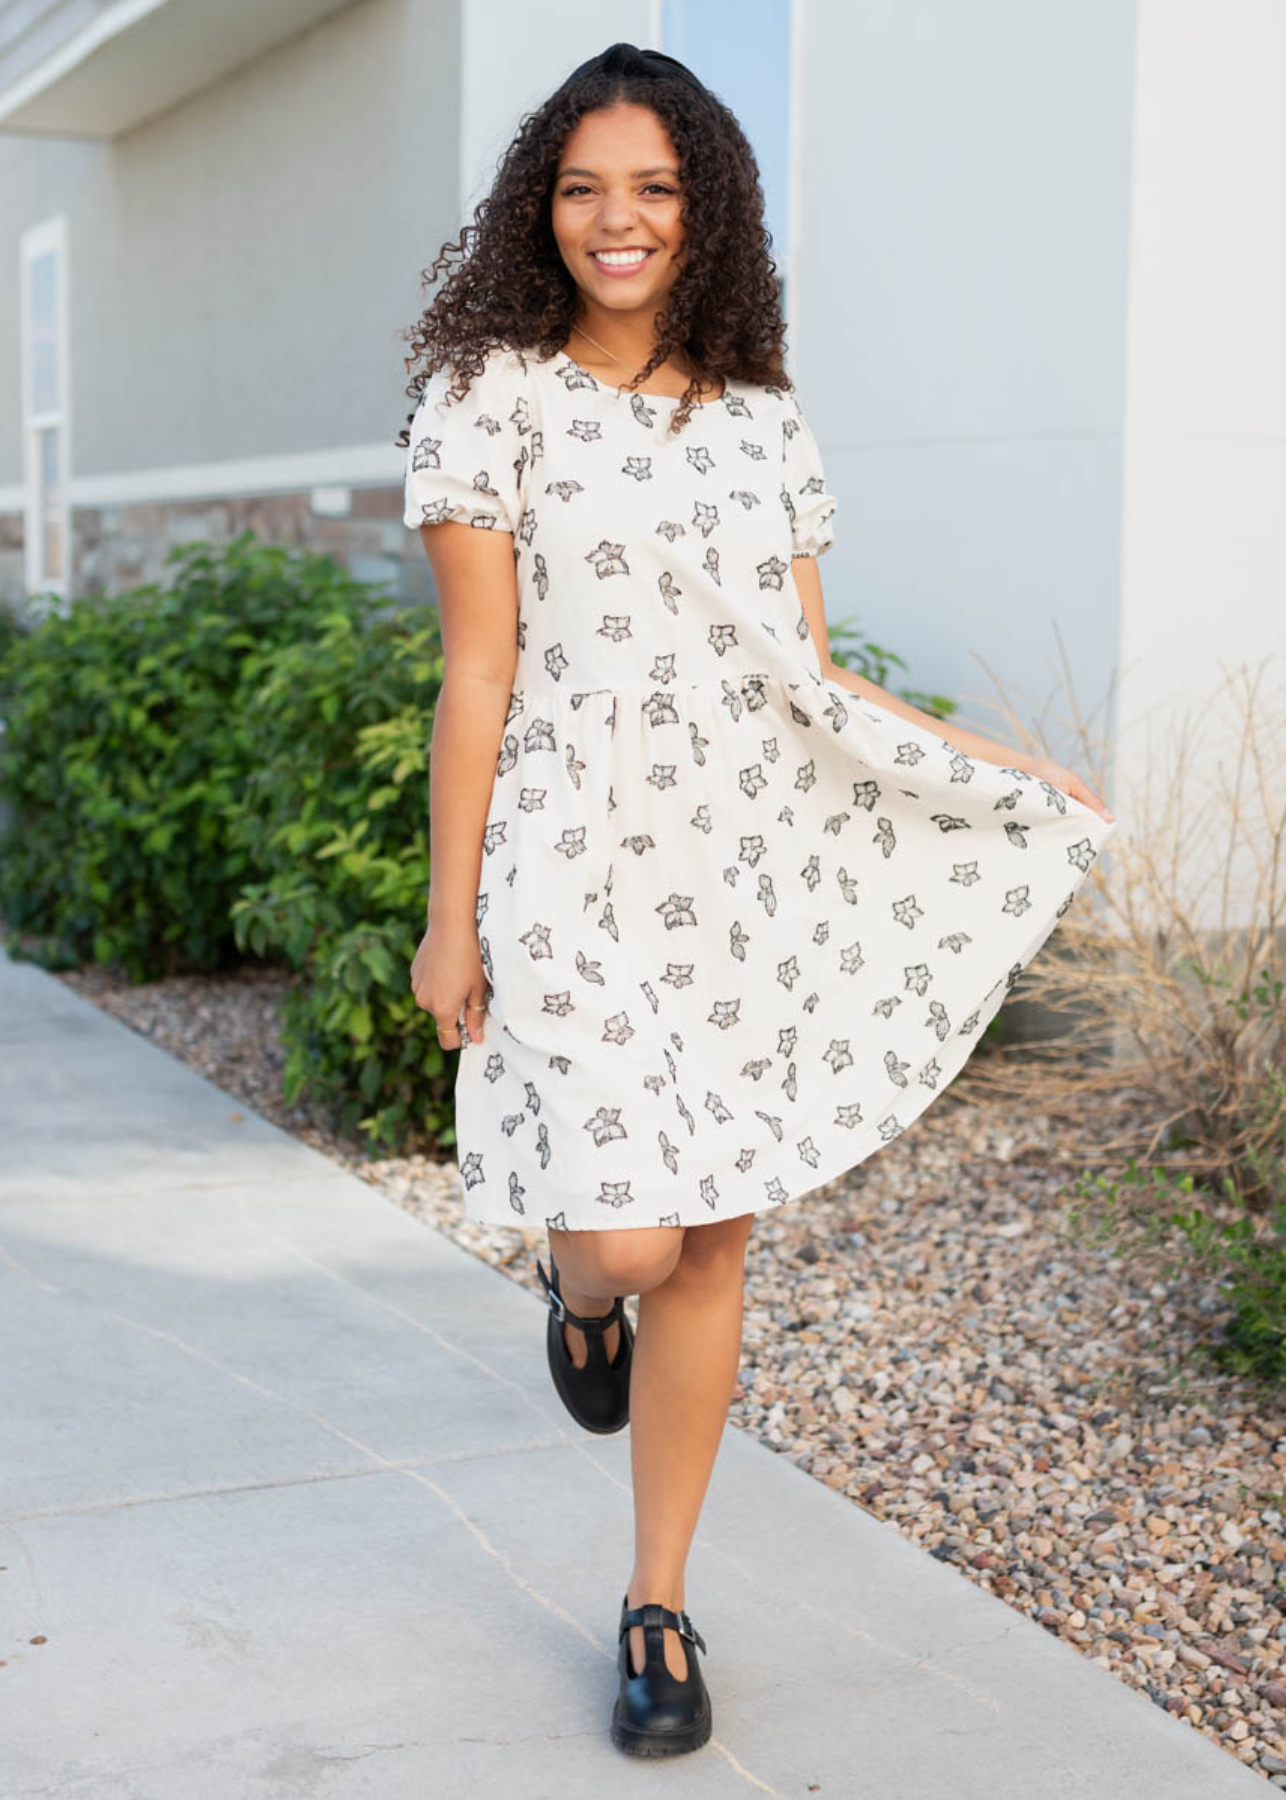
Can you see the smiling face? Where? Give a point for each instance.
(615, 210)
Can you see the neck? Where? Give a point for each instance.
(626, 336)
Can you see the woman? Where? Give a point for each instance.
(732, 938)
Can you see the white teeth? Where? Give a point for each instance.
(621, 258)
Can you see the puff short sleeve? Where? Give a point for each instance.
(804, 493)
(465, 458)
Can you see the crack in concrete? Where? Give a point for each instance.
(28, 1274)
(164, 1496)
(746, 1775)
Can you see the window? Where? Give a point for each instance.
(746, 56)
(45, 405)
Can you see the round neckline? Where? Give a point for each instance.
(622, 393)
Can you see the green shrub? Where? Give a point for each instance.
(1187, 1227)
(124, 749)
(334, 823)
(11, 635)
(851, 649)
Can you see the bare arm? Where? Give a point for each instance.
(808, 583)
(474, 573)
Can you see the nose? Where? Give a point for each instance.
(616, 213)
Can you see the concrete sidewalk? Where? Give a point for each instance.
(289, 1508)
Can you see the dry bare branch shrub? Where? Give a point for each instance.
(1164, 982)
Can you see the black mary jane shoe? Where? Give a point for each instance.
(598, 1395)
(655, 1713)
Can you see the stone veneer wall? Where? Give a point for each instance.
(116, 547)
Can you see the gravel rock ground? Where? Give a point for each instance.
(926, 1337)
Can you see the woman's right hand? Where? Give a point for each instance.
(449, 981)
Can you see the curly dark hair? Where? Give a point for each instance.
(511, 288)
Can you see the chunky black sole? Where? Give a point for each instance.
(655, 1743)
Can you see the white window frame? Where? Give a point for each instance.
(38, 240)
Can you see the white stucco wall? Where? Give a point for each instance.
(242, 264)
(1204, 566)
(541, 46)
(962, 248)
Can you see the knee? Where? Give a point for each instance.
(714, 1255)
(626, 1261)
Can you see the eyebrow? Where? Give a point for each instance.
(635, 175)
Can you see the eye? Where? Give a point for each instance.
(578, 187)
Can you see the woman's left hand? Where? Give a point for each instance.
(1067, 781)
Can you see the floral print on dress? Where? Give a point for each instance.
(741, 926)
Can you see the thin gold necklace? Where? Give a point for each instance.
(616, 359)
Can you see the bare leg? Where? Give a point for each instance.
(686, 1356)
(686, 1353)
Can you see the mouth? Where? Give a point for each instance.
(627, 261)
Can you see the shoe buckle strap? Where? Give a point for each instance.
(600, 1323)
(676, 1621)
(597, 1325)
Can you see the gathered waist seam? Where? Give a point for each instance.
(714, 684)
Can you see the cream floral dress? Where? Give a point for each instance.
(740, 925)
